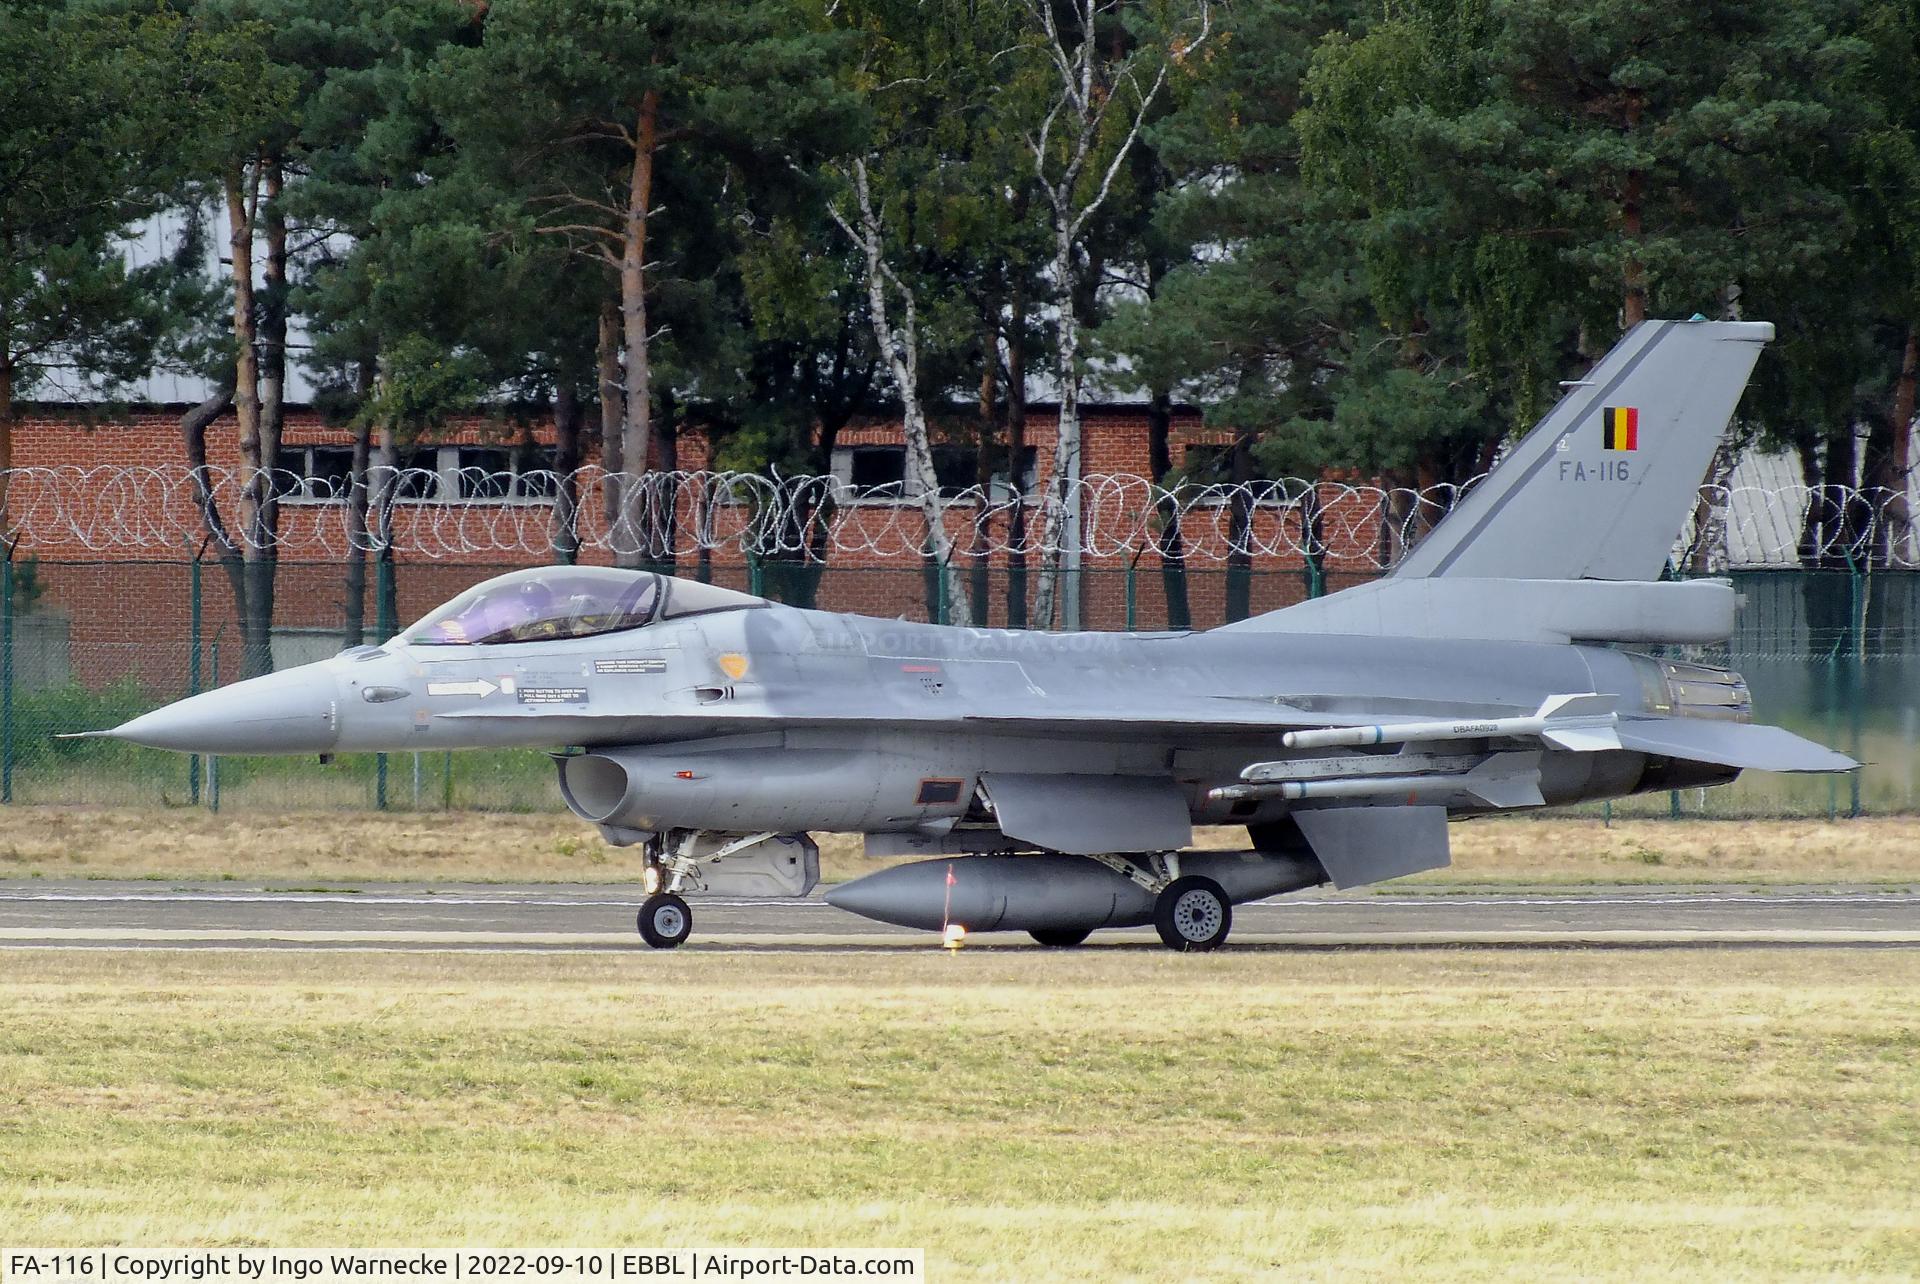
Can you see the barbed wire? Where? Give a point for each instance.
(470, 512)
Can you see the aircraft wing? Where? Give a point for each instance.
(1753, 746)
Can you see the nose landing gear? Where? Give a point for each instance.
(691, 860)
(665, 920)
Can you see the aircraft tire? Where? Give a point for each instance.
(665, 920)
(1060, 938)
(1193, 915)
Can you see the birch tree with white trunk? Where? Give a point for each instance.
(894, 314)
(1106, 89)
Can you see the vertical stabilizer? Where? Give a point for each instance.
(1601, 487)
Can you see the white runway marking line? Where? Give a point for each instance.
(335, 899)
(559, 943)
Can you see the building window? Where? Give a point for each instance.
(426, 474)
(502, 474)
(957, 468)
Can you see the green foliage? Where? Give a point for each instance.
(53, 711)
(90, 140)
(1371, 236)
(423, 384)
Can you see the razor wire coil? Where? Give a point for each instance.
(472, 512)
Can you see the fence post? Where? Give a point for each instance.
(213, 760)
(1856, 689)
(1132, 562)
(385, 625)
(446, 782)
(193, 670)
(1833, 729)
(6, 679)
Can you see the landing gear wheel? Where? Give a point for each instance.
(665, 920)
(1060, 938)
(1193, 914)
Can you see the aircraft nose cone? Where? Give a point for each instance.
(292, 712)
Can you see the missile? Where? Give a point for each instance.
(1052, 892)
(1499, 780)
(1578, 720)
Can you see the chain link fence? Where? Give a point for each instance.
(85, 644)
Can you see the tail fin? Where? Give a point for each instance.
(1601, 487)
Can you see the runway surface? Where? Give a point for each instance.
(571, 918)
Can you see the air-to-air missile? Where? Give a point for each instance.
(1052, 781)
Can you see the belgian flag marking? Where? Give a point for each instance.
(1620, 427)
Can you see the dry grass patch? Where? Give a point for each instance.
(350, 846)
(1467, 1115)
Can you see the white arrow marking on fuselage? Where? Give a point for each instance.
(478, 687)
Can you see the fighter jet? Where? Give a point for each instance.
(1051, 782)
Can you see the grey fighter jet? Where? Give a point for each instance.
(1052, 781)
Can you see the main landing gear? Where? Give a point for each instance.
(1191, 913)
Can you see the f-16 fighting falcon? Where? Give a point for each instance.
(1053, 780)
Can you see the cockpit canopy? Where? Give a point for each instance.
(549, 603)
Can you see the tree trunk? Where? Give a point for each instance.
(1633, 304)
(636, 444)
(1240, 527)
(1169, 540)
(1842, 467)
(900, 348)
(1016, 456)
(355, 622)
(986, 434)
(6, 428)
(193, 438)
(1710, 513)
(1899, 515)
(567, 417)
(1813, 526)
(264, 568)
(386, 608)
(243, 203)
(1061, 548)
(612, 412)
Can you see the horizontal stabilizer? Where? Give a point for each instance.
(1748, 745)
(1360, 845)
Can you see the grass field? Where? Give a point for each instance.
(76, 842)
(1115, 1115)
